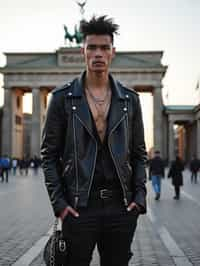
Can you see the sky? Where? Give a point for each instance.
(172, 26)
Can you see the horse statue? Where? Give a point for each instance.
(68, 36)
(77, 35)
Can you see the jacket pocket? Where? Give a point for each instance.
(127, 169)
(68, 168)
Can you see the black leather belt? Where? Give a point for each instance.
(106, 194)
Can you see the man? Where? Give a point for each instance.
(94, 155)
(194, 168)
(5, 163)
(175, 172)
(156, 173)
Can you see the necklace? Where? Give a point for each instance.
(97, 99)
(99, 111)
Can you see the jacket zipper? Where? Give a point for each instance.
(127, 123)
(109, 145)
(76, 166)
(95, 158)
(127, 135)
(67, 167)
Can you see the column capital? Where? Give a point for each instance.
(6, 88)
(158, 87)
(35, 88)
(36, 121)
(171, 120)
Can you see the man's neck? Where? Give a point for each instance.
(97, 81)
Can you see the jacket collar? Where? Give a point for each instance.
(78, 90)
(117, 108)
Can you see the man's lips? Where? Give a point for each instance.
(98, 63)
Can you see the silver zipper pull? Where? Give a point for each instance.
(125, 202)
(75, 202)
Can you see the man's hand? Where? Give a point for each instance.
(68, 210)
(133, 205)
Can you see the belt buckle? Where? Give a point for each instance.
(105, 194)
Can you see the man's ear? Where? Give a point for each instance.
(82, 50)
(113, 52)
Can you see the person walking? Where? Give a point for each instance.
(5, 162)
(1, 170)
(194, 168)
(94, 156)
(156, 173)
(175, 172)
(14, 165)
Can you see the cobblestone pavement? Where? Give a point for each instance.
(168, 235)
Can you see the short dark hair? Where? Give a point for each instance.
(99, 26)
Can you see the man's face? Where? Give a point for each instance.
(98, 52)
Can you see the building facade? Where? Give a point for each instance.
(39, 73)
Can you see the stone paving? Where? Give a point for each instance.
(26, 216)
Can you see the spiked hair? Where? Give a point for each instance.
(99, 26)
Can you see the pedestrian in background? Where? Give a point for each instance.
(175, 172)
(22, 166)
(5, 164)
(194, 168)
(35, 163)
(156, 173)
(1, 170)
(14, 165)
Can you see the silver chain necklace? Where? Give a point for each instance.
(97, 99)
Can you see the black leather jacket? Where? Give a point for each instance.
(69, 149)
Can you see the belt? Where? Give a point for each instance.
(106, 194)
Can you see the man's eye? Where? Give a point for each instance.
(101, 47)
(105, 47)
(91, 47)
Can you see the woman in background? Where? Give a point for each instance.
(175, 173)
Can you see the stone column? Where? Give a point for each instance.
(158, 120)
(7, 123)
(43, 106)
(17, 124)
(171, 146)
(165, 136)
(191, 145)
(36, 128)
(198, 138)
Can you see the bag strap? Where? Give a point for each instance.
(53, 243)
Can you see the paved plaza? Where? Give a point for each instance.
(168, 235)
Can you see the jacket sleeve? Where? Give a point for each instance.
(163, 169)
(139, 157)
(51, 152)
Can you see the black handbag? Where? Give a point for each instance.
(55, 250)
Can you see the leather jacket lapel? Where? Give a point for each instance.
(82, 111)
(117, 108)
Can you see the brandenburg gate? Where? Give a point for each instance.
(39, 73)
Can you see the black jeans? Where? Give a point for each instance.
(5, 174)
(177, 191)
(194, 177)
(106, 223)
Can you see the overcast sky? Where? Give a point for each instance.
(172, 26)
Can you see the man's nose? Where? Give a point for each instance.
(98, 52)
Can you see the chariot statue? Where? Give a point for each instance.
(76, 37)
